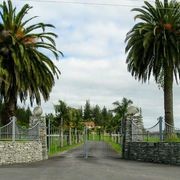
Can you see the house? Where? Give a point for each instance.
(89, 124)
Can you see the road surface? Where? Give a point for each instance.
(102, 164)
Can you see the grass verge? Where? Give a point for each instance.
(59, 150)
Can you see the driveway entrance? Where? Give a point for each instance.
(71, 165)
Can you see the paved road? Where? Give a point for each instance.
(102, 164)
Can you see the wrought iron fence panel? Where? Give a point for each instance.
(22, 133)
(139, 133)
(12, 132)
(161, 131)
(6, 131)
(61, 137)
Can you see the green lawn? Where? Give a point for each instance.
(107, 139)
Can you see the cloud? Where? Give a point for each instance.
(103, 82)
(92, 40)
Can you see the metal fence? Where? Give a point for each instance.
(13, 132)
(59, 138)
(159, 132)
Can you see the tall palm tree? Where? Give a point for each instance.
(153, 47)
(29, 71)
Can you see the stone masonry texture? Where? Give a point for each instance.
(20, 152)
(161, 152)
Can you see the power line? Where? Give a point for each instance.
(84, 3)
(89, 4)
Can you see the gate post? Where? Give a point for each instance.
(123, 137)
(127, 130)
(43, 137)
(85, 144)
(13, 128)
(161, 128)
(127, 136)
(37, 118)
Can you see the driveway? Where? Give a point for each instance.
(102, 164)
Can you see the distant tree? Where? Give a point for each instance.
(61, 112)
(105, 117)
(78, 118)
(96, 115)
(121, 107)
(23, 116)
(51, 118)
(120, 111)
(87, 111)
(61, 116)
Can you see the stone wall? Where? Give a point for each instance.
(20, 152)
(162, 152)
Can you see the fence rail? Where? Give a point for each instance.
(13, 132)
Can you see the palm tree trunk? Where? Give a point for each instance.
(9, 109)
(168, 99)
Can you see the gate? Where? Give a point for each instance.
(92, 143)
(100, 144)
(59, 139)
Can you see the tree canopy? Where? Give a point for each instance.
(153, 47)
(25, 67)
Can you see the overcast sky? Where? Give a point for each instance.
(93, 67)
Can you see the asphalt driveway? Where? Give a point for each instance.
(102, 164)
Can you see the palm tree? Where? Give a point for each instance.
(153, 47)
(121, 107)
(29, 72)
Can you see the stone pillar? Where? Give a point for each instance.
(129, 129)
(132, 132)
(37, 118)
(43, 137)
(127, 136)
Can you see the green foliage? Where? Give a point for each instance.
(23, 116)
(26, 70)
(153, 43)
(120, 111)
(68, 116)
(61, 111)
(87, 111)
(96, 114)
(153, 47)
(106, 120)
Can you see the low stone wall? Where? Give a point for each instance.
(20, 152)
(162, 152)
